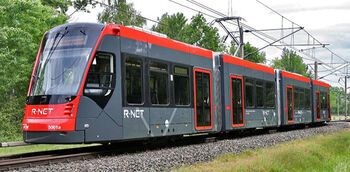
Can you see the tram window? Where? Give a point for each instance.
(100, 77)
(296, 98)
(181, 85)
(249, 92)
(133, 79)
(270, 95)
(158, 83)
(323, 100)
(259, 94)
(301, 98)
(307, 98)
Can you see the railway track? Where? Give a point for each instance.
(19, 161)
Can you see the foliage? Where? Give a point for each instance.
(60, 5)
(291, 62)
(337, 96)
(172, 25)
(121, 12)
(198, 32)
(201, 34)
(255, 56)
(23, 22)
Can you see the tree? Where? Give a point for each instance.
(256, 57)
(198, 32)
(291, 62)
(172, 25)
(23, 23)
(202, 34)
(60, 5)
(120, 12)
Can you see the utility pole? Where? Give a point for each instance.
(241, 41)
(316, 65)
(346, 97)
(338, 104)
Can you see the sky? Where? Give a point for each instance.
(328, 21)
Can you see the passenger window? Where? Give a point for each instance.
(181, 86)
(323, 100)
(249, 92)
(296, 98)
(158, 83)
(259, 94)
(134, 81)
(270, 95)
(100, 77)
(301, 98)
(307, 98)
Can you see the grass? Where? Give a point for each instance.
(340, 117)
(324, 152)
(38, 147)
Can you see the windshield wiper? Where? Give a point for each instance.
(53, 48)
(82, 31)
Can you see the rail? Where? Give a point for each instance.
(18, 161)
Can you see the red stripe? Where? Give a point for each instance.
(296, 77)
(164, 42)
(321, 83)
(248, 64)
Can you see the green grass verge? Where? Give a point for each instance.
(340, 117)
(38, 147)
(324, 152)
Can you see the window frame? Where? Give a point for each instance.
(308, 100)
(274, 95)
(123, 66)
(256, 93)
(148, 71)
(189, 76)
(253, 94)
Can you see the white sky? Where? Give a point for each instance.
(327, 20)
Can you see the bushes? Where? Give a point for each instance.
(11, 115)
(22, 25)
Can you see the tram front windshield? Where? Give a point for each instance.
(63, 60)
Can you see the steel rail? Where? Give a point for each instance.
(19, 161)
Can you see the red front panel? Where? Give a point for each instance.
(60, 117)
(46, 124)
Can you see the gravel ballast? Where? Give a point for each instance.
(168, 158)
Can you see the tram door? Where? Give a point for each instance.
(290, 104)
(237, 101)
(203, 109)
(318, 105)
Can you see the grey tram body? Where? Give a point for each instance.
(96, 124)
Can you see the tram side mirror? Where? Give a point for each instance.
(99, 81)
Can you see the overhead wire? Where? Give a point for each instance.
(304, 55)
(266, 36)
